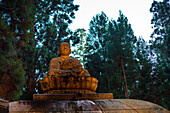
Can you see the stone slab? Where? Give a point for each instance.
(85, 106)
(78, 96)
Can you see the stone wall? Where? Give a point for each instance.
(86, 106)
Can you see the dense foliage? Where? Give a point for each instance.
(12, 77)
(110, 54)
(160, 46)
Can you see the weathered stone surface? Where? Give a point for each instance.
(128, 106)
(52, 106)
(68, 84)
(77, 96)
(86, 106)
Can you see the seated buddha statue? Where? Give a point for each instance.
(65, 65)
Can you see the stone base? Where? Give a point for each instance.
(78, 96)
(85, 106)
(69, 91)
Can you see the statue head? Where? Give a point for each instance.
(64, 49)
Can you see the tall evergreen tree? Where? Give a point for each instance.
(151, 83)
(15, 24)
(12, 74)
(160, 45)
(161, 34)
(144, 85)
(79, 44)
(96, 46)
(120, 49)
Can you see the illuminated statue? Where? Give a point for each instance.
(67, 76)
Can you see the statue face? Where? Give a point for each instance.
(64, 49)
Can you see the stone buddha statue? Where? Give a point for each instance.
(65, 65)
(67, 76)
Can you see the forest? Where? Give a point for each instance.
(125, 65)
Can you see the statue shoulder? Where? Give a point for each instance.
(55, 60)
(75, 60)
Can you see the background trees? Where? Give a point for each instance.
(161, 34)
(160, 45)
(12, 74)
(120, 48)
(79, 44)
(110, 46)
(145, 66)
(95, 57)
(144, 84)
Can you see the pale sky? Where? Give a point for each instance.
(137, 12)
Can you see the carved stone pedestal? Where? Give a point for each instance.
(67, 84)
(69, 88)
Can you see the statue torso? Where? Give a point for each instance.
(66, 67)
(63, 64)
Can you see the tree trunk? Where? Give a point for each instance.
(108, 84)
(127, 95)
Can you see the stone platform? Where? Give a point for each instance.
(79, 96)
(85, 106)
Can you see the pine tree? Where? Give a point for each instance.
(160, 46)
(151, 84)
(96, 47)
(144, 85)
(12, 74)
(79, 44)
(120, 49)
(16, 25)
(161, 34)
